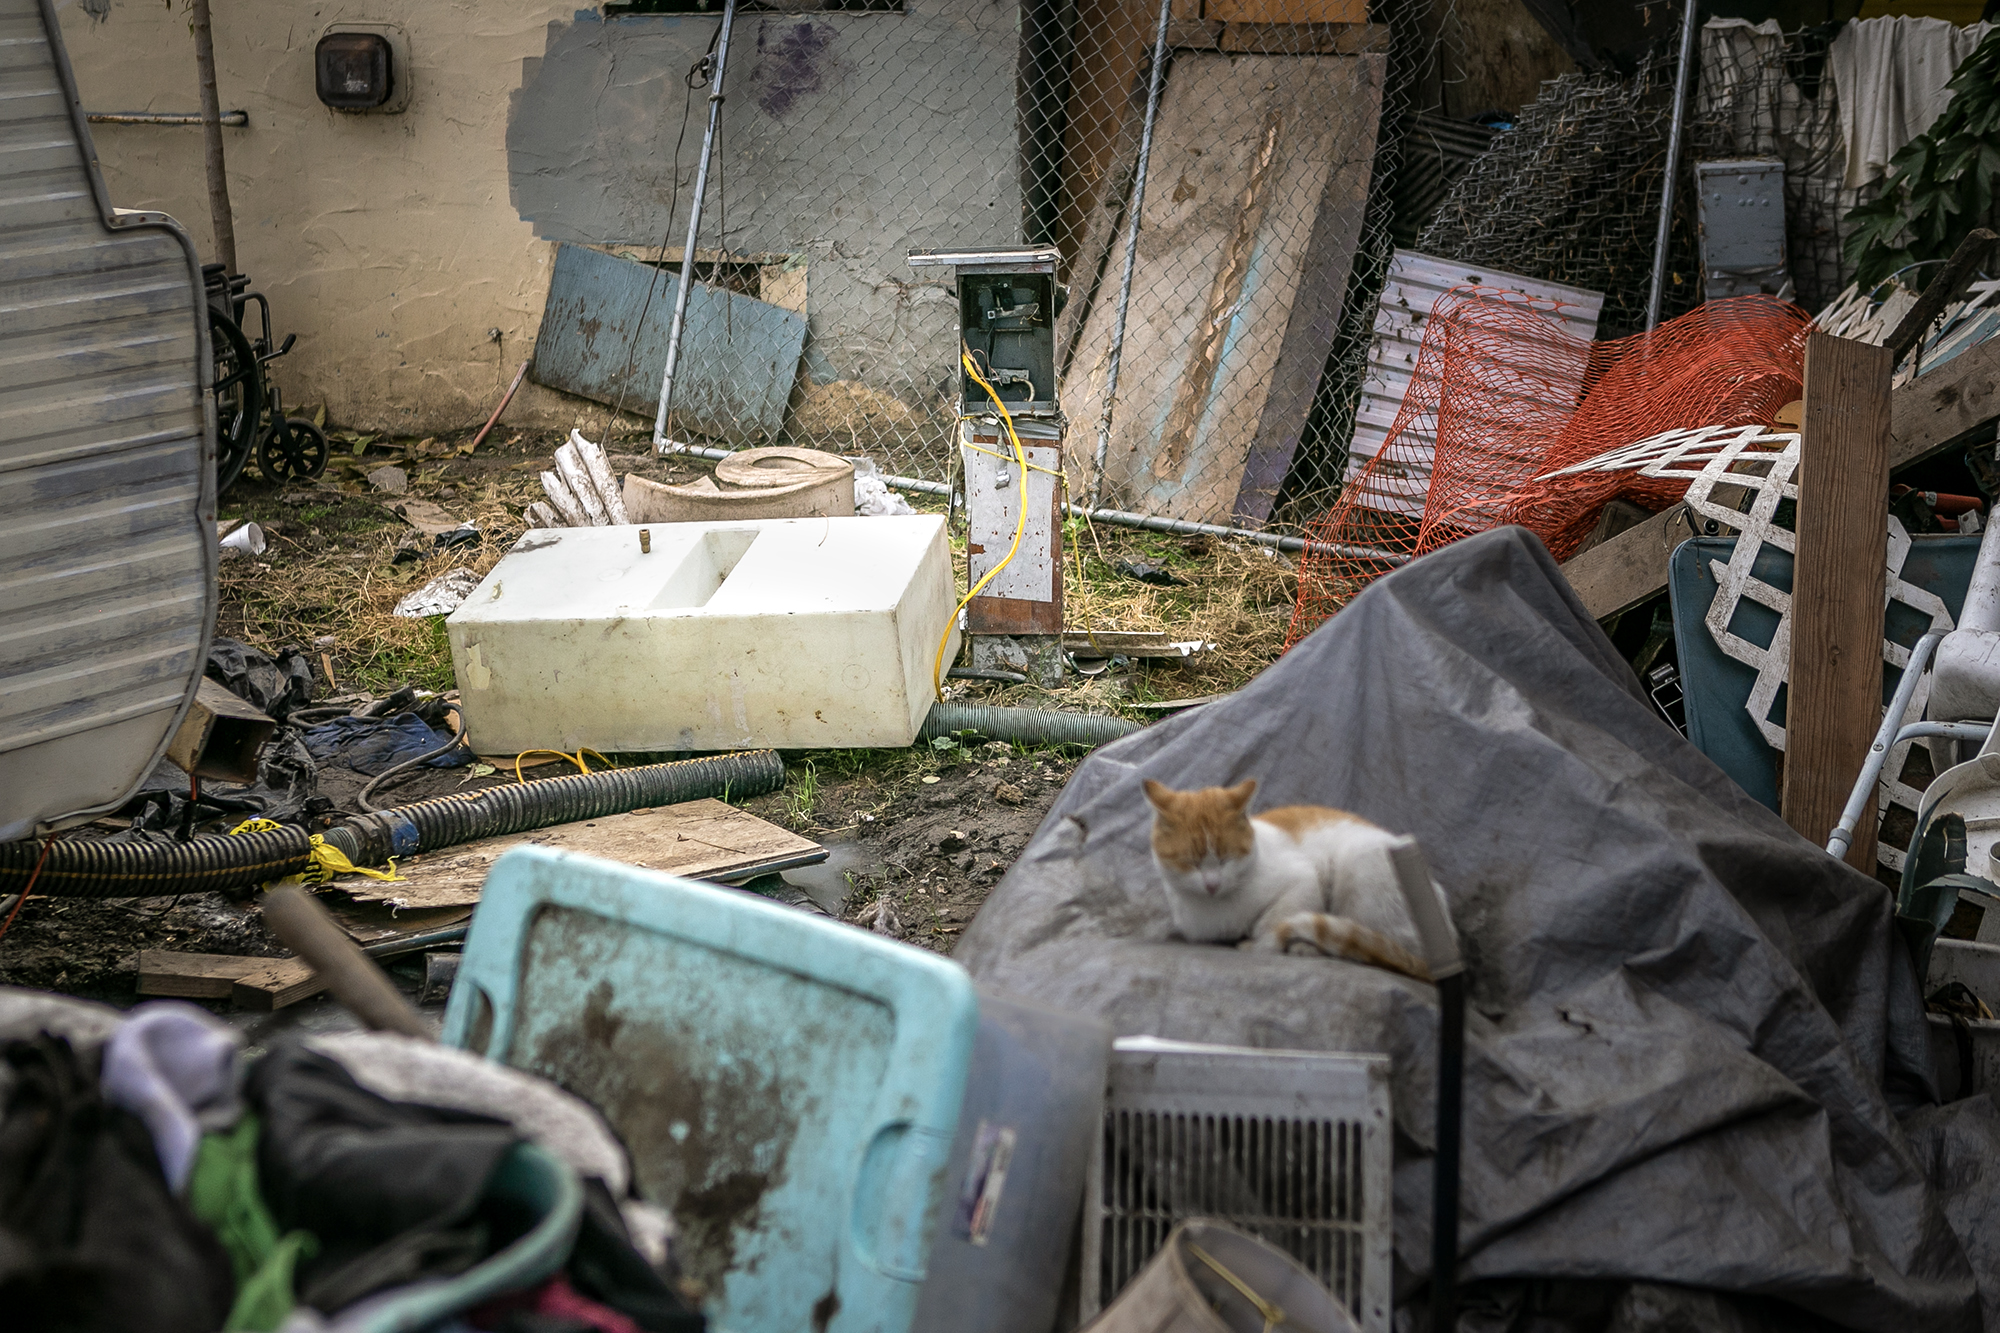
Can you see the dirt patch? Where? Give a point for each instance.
(933, 848)
(88, 946)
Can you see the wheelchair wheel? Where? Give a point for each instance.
(292, 450)
(239, 398)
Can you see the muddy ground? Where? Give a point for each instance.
(931, 839)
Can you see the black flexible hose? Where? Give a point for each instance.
(1030, 726)
(371, 839)
(102, 868)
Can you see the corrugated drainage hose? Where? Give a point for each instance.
(517, 807)
(1029, 726)
(99, 868)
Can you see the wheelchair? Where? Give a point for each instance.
(250, 418)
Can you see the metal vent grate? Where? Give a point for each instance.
(1292, 1147)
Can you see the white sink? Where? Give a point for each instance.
(792, 633)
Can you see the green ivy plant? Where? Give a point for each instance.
(1940, 185)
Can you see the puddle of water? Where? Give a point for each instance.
(827, 883)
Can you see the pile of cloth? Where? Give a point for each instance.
(153, 1178)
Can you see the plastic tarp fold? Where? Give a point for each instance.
(1691, 1034)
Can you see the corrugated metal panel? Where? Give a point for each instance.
(107, 549)
(1414, 285)
(739, 355)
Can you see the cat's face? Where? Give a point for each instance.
(1202, 839)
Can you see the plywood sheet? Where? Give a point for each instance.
(704, 839)
(1254, 201)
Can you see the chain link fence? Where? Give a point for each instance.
(1259, 158)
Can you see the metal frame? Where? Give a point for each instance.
(1889, 736)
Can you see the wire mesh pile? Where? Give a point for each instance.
(1572, 195)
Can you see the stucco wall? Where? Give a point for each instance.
(392, 244)
(388, 243)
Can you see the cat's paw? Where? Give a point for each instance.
(1304, 948)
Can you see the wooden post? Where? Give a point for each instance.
(1834, 694)
(211, 138)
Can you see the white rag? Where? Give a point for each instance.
(173, 1066)
(1889, 75)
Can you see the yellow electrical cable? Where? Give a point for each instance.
(572, 758)
(1020, 526)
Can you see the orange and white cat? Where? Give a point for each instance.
(1298, 878)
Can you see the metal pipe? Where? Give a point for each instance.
(236, 118)
(1681, 72)
(681, 289)
(1878, 753)
(507, 398)
(1136, 207)
(221, 218)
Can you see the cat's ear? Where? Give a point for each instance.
(1161, 795)
(1239, 795)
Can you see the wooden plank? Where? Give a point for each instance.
(1926, 415)
(1255, 193)
(195, 976)
(281, 981)
(1933, 410)
(1834, 694)
(704, 839)
(1286, 11)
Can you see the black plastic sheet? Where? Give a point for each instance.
(1691, 1034)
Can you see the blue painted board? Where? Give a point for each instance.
(739, 355)
(789, 1087)
(1716, 686)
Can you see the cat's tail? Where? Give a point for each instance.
(1344, 937)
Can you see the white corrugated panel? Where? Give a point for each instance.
(1414, 285)
(107, 548)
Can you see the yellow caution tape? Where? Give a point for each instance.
(326, 862)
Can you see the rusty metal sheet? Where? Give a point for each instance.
(739, 355)
(107, 554)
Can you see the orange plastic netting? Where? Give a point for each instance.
(1501, 396)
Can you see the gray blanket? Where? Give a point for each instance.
(1693, 1037)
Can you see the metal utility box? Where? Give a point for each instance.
(1007, 321)
(1742, 211)
(1026, 596)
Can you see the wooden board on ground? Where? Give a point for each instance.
(194, 976)
(262, 984)
(1925, 415)
(279, 982)
(1255, 195)
(704, 839)
(373, 922)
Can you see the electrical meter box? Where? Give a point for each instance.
(1007, 307)
(1741, 207)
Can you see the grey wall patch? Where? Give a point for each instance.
(590, 154)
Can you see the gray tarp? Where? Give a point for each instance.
(1690, 1033)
